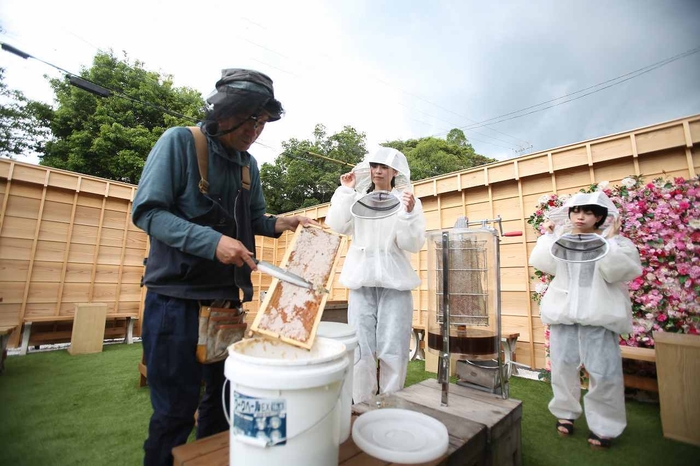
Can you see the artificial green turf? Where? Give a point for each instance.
(57, 409)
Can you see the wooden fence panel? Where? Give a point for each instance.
(67, 238)
(512, 189)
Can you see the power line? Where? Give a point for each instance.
(448, 110)
(93, 87)
(471, 138)
(103, 91)
(615, 81)
(378, 80)
(297, 76)
(313, 154)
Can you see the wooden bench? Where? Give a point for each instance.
(335, 311)
(636, 381)
(5, 332)
(28, 321)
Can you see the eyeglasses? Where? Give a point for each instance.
(258, 120)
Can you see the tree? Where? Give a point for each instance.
(431, 156)
(298, 180)
(111, 137)
(23, 122)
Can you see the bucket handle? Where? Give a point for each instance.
(264, 444)
(223, 402)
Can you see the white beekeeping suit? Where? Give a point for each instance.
(587, 305)
(380, 277)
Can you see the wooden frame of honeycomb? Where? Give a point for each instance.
(291, 313)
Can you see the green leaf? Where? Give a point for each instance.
(111, 137)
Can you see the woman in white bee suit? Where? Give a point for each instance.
(377, 269)
(587, 305)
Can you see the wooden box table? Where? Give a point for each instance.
(484, 430)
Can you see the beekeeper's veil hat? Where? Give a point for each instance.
(560, 215)
(386, 156)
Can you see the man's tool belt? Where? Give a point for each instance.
(219, 327)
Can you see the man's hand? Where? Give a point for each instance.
(232, 251)
(291, 223)
(348, 180)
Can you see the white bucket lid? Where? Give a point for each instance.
(339, 331)
(400, 436)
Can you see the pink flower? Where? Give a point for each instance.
(695, 272)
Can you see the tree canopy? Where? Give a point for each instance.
(297, 180)
(111, 137)
(23, 122)
(430, 156)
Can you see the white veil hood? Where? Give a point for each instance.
(386, 156)
(560, 215)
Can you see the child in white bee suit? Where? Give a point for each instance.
(377, 269)
(587, 306)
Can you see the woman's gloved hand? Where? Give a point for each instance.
(348, 180)
(548, 226)
(615, 227)
(408, 201)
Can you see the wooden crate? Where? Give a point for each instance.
(502, 418)
(678, 373)
(88, 328)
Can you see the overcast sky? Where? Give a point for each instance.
(392, 69)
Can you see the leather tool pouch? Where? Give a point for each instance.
(218, 328)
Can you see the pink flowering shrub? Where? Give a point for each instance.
(663, 219)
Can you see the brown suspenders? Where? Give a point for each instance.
(200, 145)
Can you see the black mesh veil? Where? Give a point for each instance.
(243, 93)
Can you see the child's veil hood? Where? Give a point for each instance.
(560, 215)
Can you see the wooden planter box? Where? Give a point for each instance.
(678, 372)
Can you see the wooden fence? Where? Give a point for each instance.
(511, 189)
(68, 238)
(65, 238)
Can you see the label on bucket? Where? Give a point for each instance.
(262, 419)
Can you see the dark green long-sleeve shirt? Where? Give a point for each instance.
(168, 193)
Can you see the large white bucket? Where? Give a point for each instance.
(285, 402)
(345, 334)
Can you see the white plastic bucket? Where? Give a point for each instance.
(345, 334)
(285, 402)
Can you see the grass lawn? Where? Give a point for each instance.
(57, 409)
